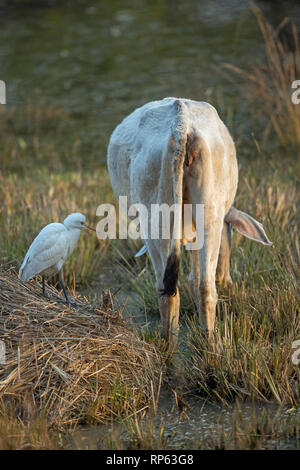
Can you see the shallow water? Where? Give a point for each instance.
(200, 425)
(100, 60)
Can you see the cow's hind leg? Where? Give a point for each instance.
(169, 314)
(194, 276)
(168, 305)
(223, 268)
(208, 264)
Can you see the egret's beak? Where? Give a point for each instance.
(89, 228)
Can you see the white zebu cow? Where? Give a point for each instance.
(179, 151)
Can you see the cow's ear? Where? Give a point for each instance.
(247, 226)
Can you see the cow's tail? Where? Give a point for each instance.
(179, 138)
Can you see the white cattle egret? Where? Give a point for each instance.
(50, 249)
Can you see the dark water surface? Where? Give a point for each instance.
(101, 59)
(201, 425)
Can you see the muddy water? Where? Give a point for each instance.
(182, 429)
(199, 425)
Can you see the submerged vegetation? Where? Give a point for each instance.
(44, 177)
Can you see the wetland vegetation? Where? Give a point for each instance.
(72, 73)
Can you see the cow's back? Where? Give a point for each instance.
(139, 144)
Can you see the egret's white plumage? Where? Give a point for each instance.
(53, 245)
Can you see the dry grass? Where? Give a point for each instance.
(269, 85)
(73, 364)
(259, 318)
(41, 135)
(29, 203)
(45, 175)
(35, 434)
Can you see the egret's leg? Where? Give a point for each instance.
(43, 284)
(63, 287)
